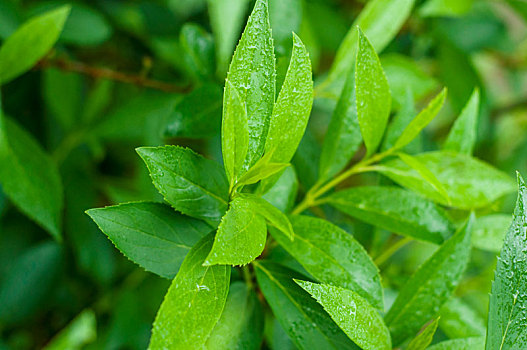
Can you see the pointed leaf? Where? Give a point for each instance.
(475, 343)
(354, 315)
(261, 170)
(462, 135)
(459, 320)
(424, 338)
(489, 232)
(194, 302)
(272, 215)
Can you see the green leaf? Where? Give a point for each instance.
(301, 317)
(263, 169)
(463, 134)
(430, 286)
(234, 133)
(333, 256)
(272, 215)
(241, 323)
(489, 232)
(343, 137)
(459, 320)
(399, 122)
(241, 235)
(285, 17)
(284, 191)
(62, 93)
(475, 343)
(226, 19)
(469, 183)
(85, 27)
(292, 108)
(372, 93)
(396, 210)
(507, 321)
(150, 234)
(380, 20)
(194, 302)
(421, 120)
(77, 334)
(353, 314)
(445, 8)
(252, 73)
(30, 43)
(198, 46)
(424, 338)
(191, 184)
(29, 177)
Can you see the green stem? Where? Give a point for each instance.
(381, 259)
(247, 276)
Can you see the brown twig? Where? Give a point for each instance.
(106, 73)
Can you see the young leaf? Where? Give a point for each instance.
(489, 232)
(372, 94)
(252, 73)
(424, 338)
(241, 323)
(333, 256)
(241, 235)
(430, 286)
(343, 137)
(459, 320)
(194, 302)
(261, 170)
(292, 108)
(29, 177)
(302, 318)
(150, 234)
(191, 184)
(80, 332)
(400, 121)
(469, 183)
(353, 314)
(507, 323)
(421, 120)
(462, 136)
(234, 133)
(475, 343)
(272, 215)
(30, 43)
(396, 210)
(284, 191)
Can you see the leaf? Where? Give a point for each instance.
(489, 232)
(507, 320)
(469, 182)
(30, 43)
(191, 184)
(380, 20)
(234, 133)
(333, 256)
(292, 108)
(424, 338)
(354, 315)
(263, 169)
(396, 210)
(29, 177)
(77, 334)
(241, 323)
(463, 134)
(252, 73)
(198, 46)
(285, 17)
(459, 320)
(445, 8)
(194, 302)
(475, 343)
(301, 317)
(284, 191)
(399, 122)
(272, 215)
(430, 286)
(85, 27)
(343, 137)
(150, 234)
(241, 235)
(421, 120)
(62, 93)
(226, 19)
(372, 94)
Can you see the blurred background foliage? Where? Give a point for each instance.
(134, 73)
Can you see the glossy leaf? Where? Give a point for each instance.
(241, 323)
(252, 73)
(263, 169)
(302, 318)
(353, 314)
(21, 159)
(150, 234)
(333, 256)
(193, 304)
(462, 135)
(272, 215)
(241, 235)
(284, 191)
(292, 108)
(507, 321)
(191, 184)
(459, 320)
(396, 210)
(474, 343)
(424, 338)
(469, 183)
(489, 232)
(30, 43)
(420, 299)
(372, 93)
